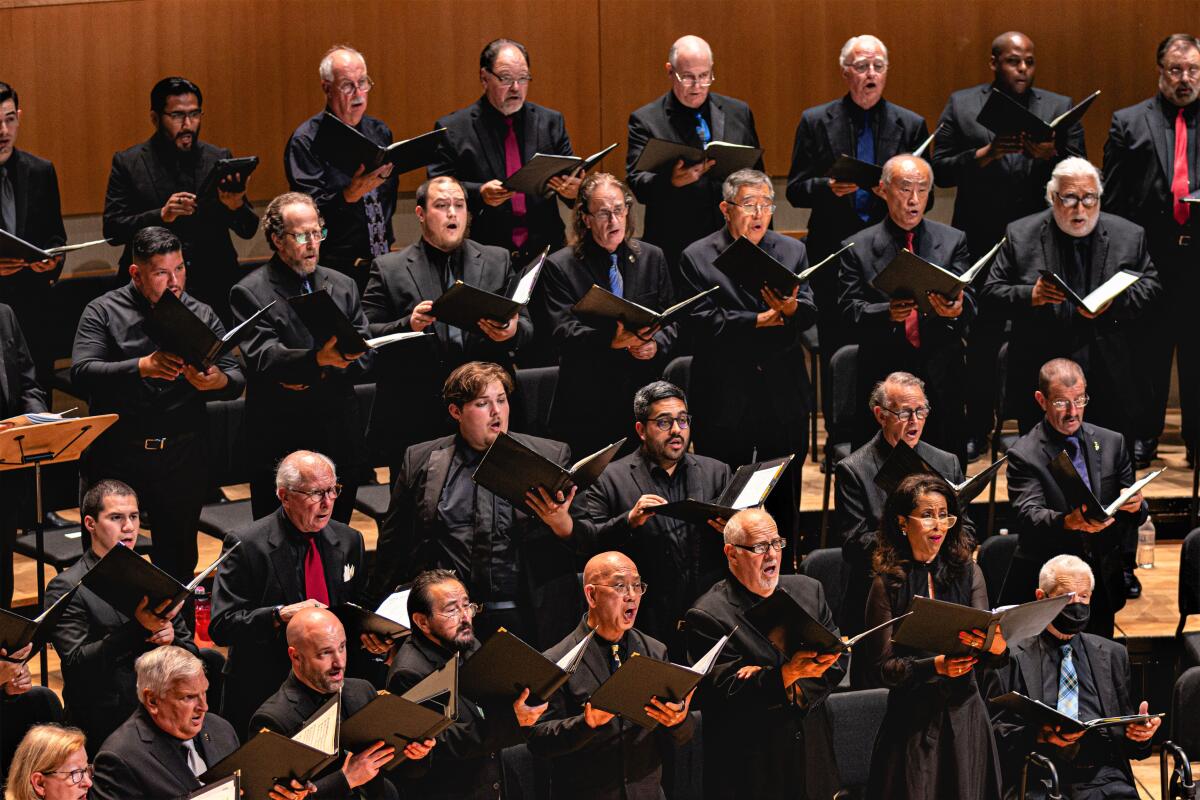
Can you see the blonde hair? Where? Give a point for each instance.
(44, 749)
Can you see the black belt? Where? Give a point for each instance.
(1184, 240)
(162, 442)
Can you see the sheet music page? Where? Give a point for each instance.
(1110, 289)
(567, 661)
(752, 493)
(322, 733)
(525, 285)
(705, 663)
(1124, 496)
(395, 608)
(226, 789)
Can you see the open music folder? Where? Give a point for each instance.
(505, 666)
(15, 248)
(325, 320)
(175, 329)
(1039, 713)
(752, 268)
(910, 277)
(463, 305)
(1105, 292)
(509, 469)
(748, 488)
(1004, 116)
(421, 713)
(1079, 495)
(348, 149)
(17, 631)
(791, 629)
(535, 174)
(904, 461)
(599, 302)
(933, 625)
(661, 155)
(123, 578)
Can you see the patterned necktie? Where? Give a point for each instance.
(8, 202)
(376, 223)
(1068, 685)
(864, 150)
(912, 323)
(616, 284)
(702, 130)
(616, 657)
(315, 587)
(512, 163)
(1179, 177)
(306, 285)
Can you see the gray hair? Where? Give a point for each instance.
(163, 667)
(272, 224)
(1073, 167)
(889, 167)
(878, 396)
(682, 41)
(735, 528)
(745, 177)
(854, 40)
(288, 475)
(1060, 566)
(325, 69)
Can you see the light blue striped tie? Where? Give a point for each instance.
(1068, 685)
(616, 284)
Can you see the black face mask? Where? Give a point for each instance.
(1072, 619)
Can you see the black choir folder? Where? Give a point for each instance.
(17, 631)
(628, 690)
(123, 578)
(660, 155)
(786, 624)
(904, 461)
(15, 248)
(1004, 116)
(505, 666)
(600, 302)
(748, 488)
(325, 320)
(848, 169)
(421, 713)
(933, 625)
(1120, 281)
(510, 469)
(534, 174)
(910, 277)
(1038, 713)
(242, 167)
(226, 789)
(751, 267)
(463, 305)
(347, 149)
(175, 329)
(1078, 493)
(357, 620)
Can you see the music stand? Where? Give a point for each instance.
(38, 445)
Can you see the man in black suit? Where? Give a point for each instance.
(515, 560)
(600, 362)
(400, 293)
(317, 649)
(861, 124)
(756, 699)
(892, 333)
(900, 408)
(1085, 247)
(358, 208)
(1151, 162)
(29, 209)
(296, 558)
(748, 380)
(1047, 523)
(595, 754)
(158, 181)
(490, 139)
(159, 444)
(160, 752)
(97, 643)
(681, 204)
(1090, 767)
(679, 559)
(999, 180)
(300, 392)
(467, 761)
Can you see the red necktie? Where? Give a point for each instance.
(912, 324)
(1179, 179)
(512, 163)
(314, 573)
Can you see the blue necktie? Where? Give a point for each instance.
(616, 284)
(1075, 451)
(305, 285)
(702, 129)
(1068, 685)
(864, 150)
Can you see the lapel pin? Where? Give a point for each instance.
(1096, 445)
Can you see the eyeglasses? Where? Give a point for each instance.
(75, 776)
(364, 85)
(620, 587)
(1071, 200)
(180, 116)
(1078, 402)
(762, 547)
(941, 521)
(703, 80)
(458, 612)
(609, 214)
(905, 414)
(303, 237)
(754, 208)
(664, 423)
(508, 80)
(1178, 72)
(861, 67)
(316, 495)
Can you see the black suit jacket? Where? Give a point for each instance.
(261, 574)
(676, 217)
(754, 723)
(98, 645)
(466, 762)
(474, 154)
(39, 222)
(1007, 189)
(678, 559)
(1049, 331)
(141, 761)
(618, 760)
(286, 711)
(1040, 508)
(595, 382)
(19, 390)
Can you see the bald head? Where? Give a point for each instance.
(310, 623)
(317, 649)
(741, 523)
(1013, 62)
(1010, 39)
(689, 47)
(907, 181)
(612, 588)
(690, 70)
(758, 572)
(601, 567)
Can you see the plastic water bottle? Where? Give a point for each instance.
(1145, 545)
(203, 614)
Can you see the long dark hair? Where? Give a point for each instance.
(893, 553)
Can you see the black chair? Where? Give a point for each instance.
(535, 386)
(1185, 722)
(843, 375)
(1001, 441)
(827, 566)
(995, 557)
(1189, 603)
(679, 372)
(228, 463)
(373, 500)
(63, 546)
(854, 719)
(812, 343)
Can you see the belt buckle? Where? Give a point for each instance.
(1185, 240)
(155, 444)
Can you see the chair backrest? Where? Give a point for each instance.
(1189, 577)
(679, 372)
(995, 557)
(1185, 722)
(228, 457)
(535, 386)
(854, 720)
(843, 379)
(827, 566)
